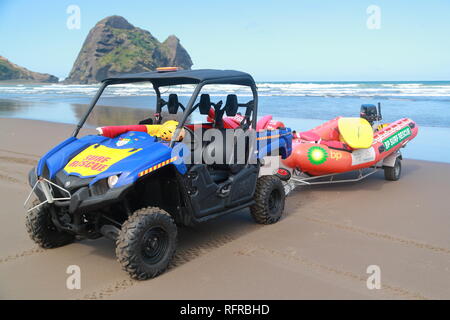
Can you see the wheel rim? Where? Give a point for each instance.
(274, 202)
(154, 244)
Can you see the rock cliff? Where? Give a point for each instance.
(115, 46)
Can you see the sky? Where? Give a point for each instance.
(299, 40)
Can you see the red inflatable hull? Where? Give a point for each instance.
(320, 157)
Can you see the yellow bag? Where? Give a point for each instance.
(164, 131)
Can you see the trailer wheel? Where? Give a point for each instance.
(393, 173)
(41, 229)
(146, 243)
(269, 200)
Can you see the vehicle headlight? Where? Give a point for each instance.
(112, 181)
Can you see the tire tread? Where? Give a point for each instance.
(36, 224)
(259, 210)
(389, 172)
(127, 242)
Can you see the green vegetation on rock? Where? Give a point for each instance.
(115, 46)
(10, 71)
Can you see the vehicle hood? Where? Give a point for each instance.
(129, 155)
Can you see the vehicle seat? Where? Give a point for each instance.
(173, 104)
(204, 105)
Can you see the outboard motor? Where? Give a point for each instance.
(370, 112)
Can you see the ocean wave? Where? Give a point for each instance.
(363, 89)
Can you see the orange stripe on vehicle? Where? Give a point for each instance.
(268, 137)
(156, 166)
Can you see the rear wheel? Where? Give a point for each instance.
(146, 243)
(269, 200)
(42, 230)
(393, 173)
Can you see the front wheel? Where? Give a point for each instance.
(393, 173)
(146, 243)
(269, 200)
(41, 229)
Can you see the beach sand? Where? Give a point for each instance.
(320, 249)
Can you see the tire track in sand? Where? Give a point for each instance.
(10, 179)
(250, 250)
(25, 253)
(21, 153)
(380, 235)
(8, 159)
(34, 250)
(19, 160)
(181, 257)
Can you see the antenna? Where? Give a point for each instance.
(379, 112)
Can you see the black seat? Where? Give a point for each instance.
(205, 104)
(173, 103)
(231, 105)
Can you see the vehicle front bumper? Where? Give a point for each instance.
(81, 199)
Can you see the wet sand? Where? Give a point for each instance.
(319, 250)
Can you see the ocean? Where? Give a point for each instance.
(300, 105)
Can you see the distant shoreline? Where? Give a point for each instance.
(30, 82)
(19, 81)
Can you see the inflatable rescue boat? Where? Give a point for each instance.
(347, 144)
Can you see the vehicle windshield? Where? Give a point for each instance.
(134, 103)
(129, 104)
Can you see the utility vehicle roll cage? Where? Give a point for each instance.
(200, 78)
